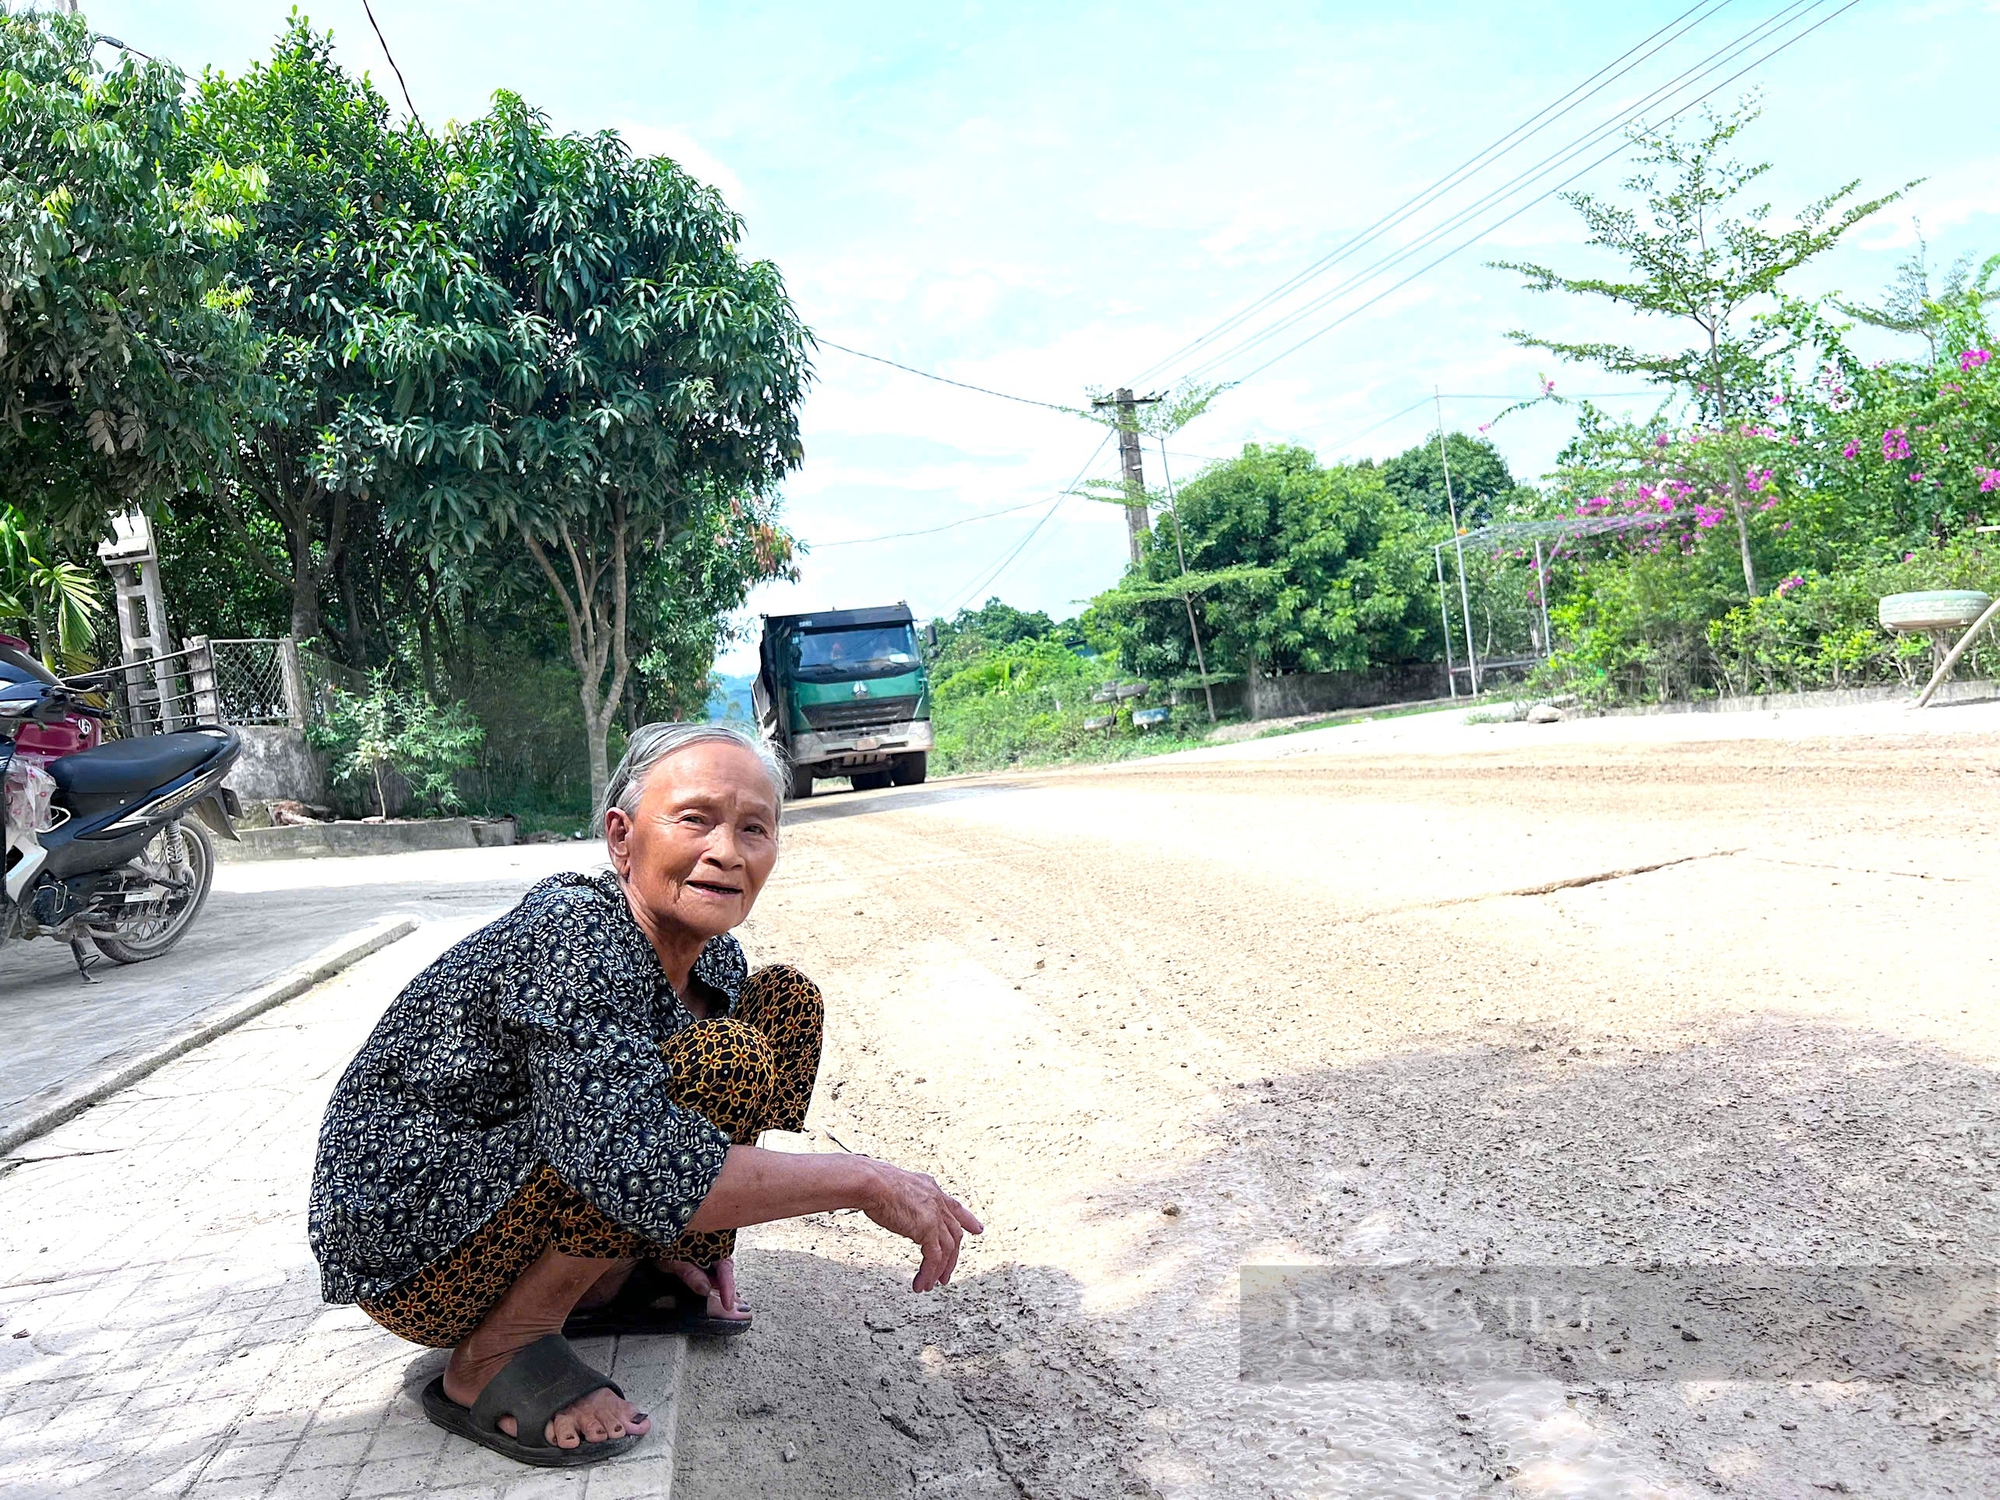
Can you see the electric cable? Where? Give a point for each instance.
(1722, 57)
(1539, 198)
(946, 380)
(1626, 115)
(896, 536)
(989, 579)
(392, 65)
(1465, 169)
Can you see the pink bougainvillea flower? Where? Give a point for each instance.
(1795, 581)
(1972, 359)
(1706, 516)
(1917, 477)
(1989, 480)
(1895, 444)
(1851, 449)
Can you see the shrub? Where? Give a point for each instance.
(386, 731)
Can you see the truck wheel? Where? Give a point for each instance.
(802, 781)
(868, 781)
(908, 770)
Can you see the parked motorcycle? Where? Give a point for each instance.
(109, 843)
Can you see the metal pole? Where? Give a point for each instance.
(1458, 545)
(1180, 551)
(1542, 583)
(1444, 609)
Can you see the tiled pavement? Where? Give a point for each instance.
(161, 1331)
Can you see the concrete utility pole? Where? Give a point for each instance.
(1136, 523)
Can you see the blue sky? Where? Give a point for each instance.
(1048, 198)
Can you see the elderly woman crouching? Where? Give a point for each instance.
(553, 1128)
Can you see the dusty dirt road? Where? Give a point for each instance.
(1159, 1023)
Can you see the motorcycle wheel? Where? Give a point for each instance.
(147, 929)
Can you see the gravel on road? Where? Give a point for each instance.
(1561, 1004)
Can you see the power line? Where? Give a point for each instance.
(987, 580)
(1623, 117)
(1721, 57)
(1541, 197)
(897, 536)
(392, 65)
(946, 380)
(1352, 437)
(1206, 458)
(1467, 168)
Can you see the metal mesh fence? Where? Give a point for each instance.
(324, 677)
(250, 681)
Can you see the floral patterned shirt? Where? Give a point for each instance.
(536, 1039)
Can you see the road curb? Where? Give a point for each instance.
(53, 1106)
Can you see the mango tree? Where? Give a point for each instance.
(123, 352)
(585, 370)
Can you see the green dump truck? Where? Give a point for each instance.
(844, 693)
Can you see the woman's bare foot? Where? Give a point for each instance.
(534, 1306)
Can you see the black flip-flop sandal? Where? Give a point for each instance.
(536, 1384)
(652, 1302)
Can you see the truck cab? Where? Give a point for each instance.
(844, 693)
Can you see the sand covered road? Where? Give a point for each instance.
(1558, 1005)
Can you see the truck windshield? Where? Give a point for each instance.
(877, 650)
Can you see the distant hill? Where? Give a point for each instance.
(731, 700)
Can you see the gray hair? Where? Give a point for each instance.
(653, 743)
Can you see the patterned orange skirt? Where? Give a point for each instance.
(749, 1072)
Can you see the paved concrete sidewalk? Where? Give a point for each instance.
(161, 1331)
(261, 919)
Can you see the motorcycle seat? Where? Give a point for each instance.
(137, 765)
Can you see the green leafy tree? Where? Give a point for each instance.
(54, 602)
(321, 260)
(1291, 568)
(1934, 314)
(587, 367)
(1696, 259)
(972, 633)
(387, 729)
(123, 352)
(1481, 484)
(684, 597)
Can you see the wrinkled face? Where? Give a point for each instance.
(703, 841)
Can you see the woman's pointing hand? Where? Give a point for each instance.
(913, 1205)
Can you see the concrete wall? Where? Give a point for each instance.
(277, 762)
(336, 840)
(1324, 692)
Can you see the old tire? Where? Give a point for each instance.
(868, 781)
(909, 770)
(1932, 610)
(802, 782)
